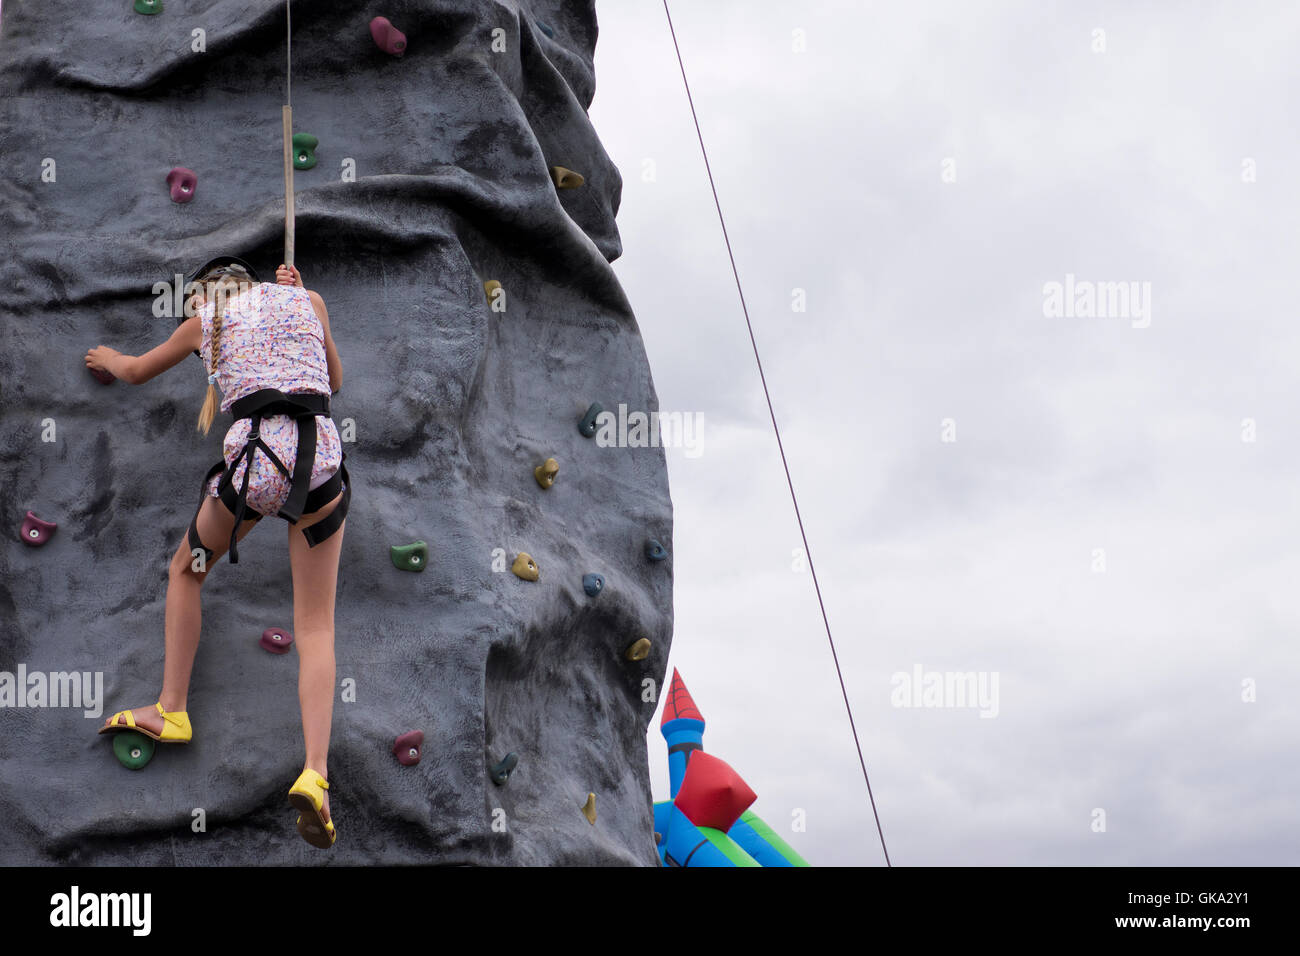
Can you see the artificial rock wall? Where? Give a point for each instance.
(451, 404)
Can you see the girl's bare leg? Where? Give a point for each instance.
(315, 579)
(183, 617)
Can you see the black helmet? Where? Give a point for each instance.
(214, 265)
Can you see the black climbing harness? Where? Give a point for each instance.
(303, 407)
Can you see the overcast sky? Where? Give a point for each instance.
(1102, 534)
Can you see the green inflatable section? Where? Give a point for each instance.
(768, 834)
(728, 847)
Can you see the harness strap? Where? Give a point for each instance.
(303, 408)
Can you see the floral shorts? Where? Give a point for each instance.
(268, 488)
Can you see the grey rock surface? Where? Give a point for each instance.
(453, 405)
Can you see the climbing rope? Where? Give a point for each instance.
(779, 445)
(286, 120)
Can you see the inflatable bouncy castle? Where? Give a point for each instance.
(707, 821)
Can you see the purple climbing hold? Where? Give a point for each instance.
(182, 183)
(35, 531)
(276, 640)
(407, 748)
(104, 377)
(387, 37)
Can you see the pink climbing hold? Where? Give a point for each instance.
(407, 748)
(104, 377)
(387, 37)
(35, 531)
(276, 640)
(182, 183)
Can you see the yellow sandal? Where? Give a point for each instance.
(176, 726)
(308, 795)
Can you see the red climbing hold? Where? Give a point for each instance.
(276, 640)
(36, 532)
(712, 794)
(407, 748)
(104, 377)
(182, 183)
(387, 37)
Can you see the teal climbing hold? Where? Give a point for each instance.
(409, 557)
(593, 584)
(502, 769)
(304, 150)
(587, 426)
(545, 29)
(148, 7)
(655, 551)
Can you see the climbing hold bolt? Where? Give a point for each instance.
(132, 750)
(566, 178)
(545, 29)
(182, 182)
(545, 473)
(525, 567)
(638, 651)
(276, 640)
(148, 7)
(407, 748)
(104, 377)
(654, 550)
(587, 425)
(304, 150)
(37, 532)
(589, 809)
(409, 557)
(593, 584)
(387, 37)
(501, 770)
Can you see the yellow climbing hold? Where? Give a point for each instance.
(525, 567)
(566, 178)
(638, 651)
(545, 473)
(589, 809)
(494, 291)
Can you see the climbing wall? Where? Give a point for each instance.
(466, 272)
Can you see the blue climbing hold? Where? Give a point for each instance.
(654, 550)
(502, 769)
(593, 584)
(546, 29)
(588, 424)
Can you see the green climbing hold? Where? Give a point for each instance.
(148, 7)
(409, 557)
(133, 751)
(304, 150)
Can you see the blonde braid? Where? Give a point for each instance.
(217, 292)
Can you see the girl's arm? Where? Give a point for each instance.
(138, 369)
(331, 353)
(285, 275)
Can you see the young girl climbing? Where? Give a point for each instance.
(269, 349)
